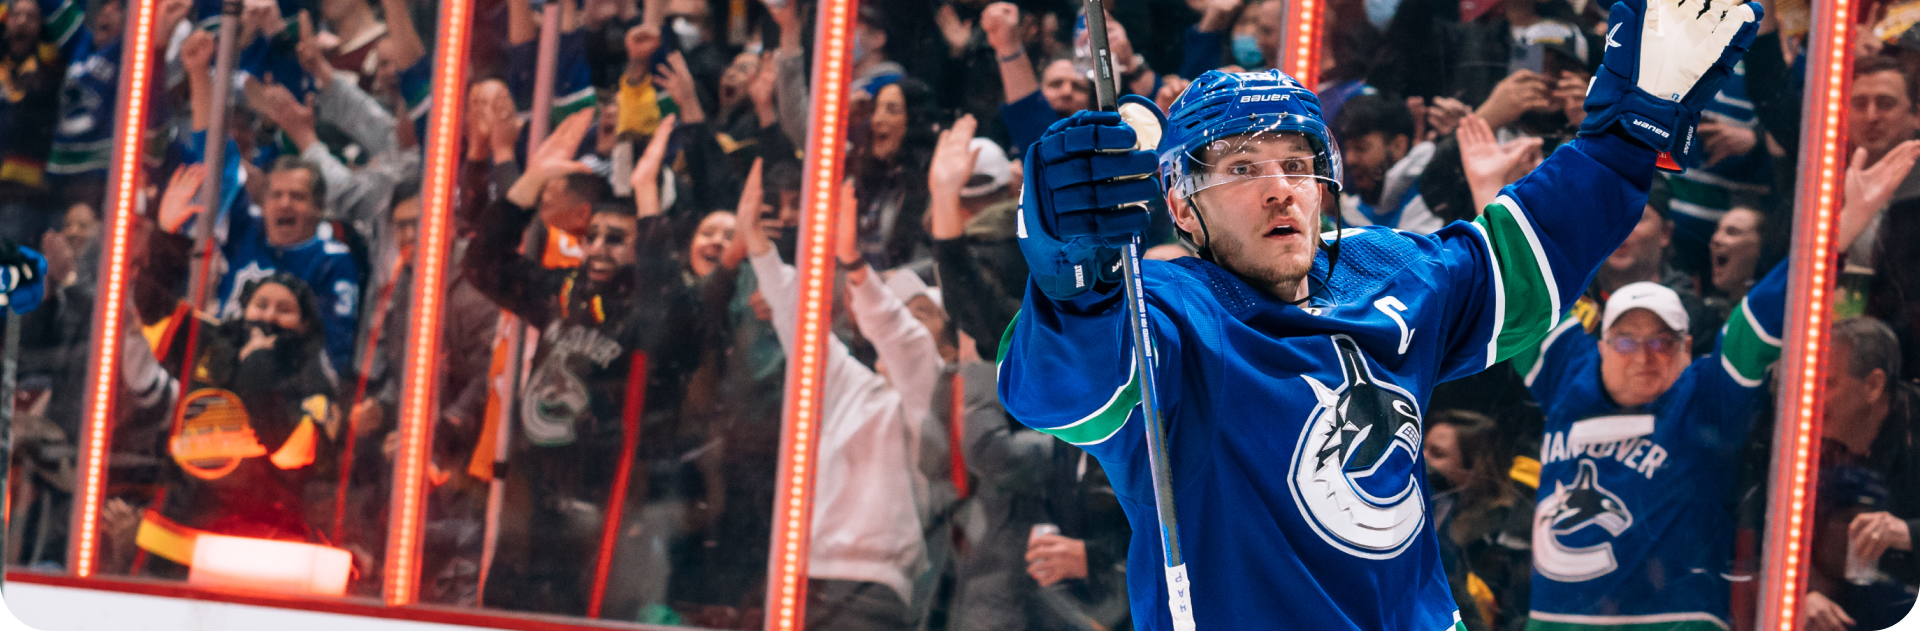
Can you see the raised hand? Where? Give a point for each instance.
(312, 58)
(1571, 92)
(846, 233)
(1490, 165)
(1521, 92)
(1218, 15)
(761, 87)
(747, 215)
(677, 81)
(1870, 189)
(1170, 88)
(956, 31)
(554, 158)
(1665, 59)
(1001, 22)
(1725, 140)
(196, 52)
(1443, 116)
(646, 171)
(180, 202)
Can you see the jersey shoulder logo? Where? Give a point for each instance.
(1355, 470)
(1573, 528)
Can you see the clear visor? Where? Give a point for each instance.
(1238, 160)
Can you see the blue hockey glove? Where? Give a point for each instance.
(1087, 182)
(1665, 61)
(22, 277)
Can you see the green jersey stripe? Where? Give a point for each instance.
(1529, 298)
(1528, 361)
(1102, 423)
(1499, 294)
(64, 23)
(1746, 349)
(1693, 621)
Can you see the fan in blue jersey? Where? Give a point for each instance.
(1631, 526)
(1294, 366)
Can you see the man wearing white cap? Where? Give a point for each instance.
(972, 209)
(1631, 525)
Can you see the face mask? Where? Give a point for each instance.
(1246, 51)
(859, 46)
(788, 241)
(688, 32)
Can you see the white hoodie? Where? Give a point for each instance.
(869, 498)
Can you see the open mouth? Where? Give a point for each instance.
(1721, 260)
(1282, 231)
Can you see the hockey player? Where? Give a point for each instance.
(1631, 525)
(1294, 367)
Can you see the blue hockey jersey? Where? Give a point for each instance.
(322, 261)
(1631, 524)
(1294, 432)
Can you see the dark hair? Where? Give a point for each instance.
(317, 183)
(1660, 197)
(313, 341)
(1371, 112)
(1881, 63)
(616, 208)
(1873, 344)
(591, 189)
(1483, 450)
(1443, 185)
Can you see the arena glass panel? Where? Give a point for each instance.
(239, 394)
(1847, 560)
(68, 73)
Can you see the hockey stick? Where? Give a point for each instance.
(1179, 592)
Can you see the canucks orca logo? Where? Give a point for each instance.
(1355, 467)
(1571, 509)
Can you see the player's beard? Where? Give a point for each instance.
(1263, 267)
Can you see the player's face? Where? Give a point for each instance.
(275, 304)
(1735, 250)
(609, 245)
(291, 212)
(1264, 229)
(1653, 361)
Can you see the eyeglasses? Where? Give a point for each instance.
(1659, 345)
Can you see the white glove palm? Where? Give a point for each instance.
(1679, 42)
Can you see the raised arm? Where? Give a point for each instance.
(1517, 269)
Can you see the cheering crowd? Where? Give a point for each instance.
(621, 302)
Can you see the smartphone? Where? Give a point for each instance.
(1532, 56)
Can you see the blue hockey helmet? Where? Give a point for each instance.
(1222, 114)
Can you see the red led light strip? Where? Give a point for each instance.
(418, 403)
(1795, 449)
(1301, 43)
(123, 189)
(799, 436)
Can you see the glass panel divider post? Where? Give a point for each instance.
(1786, 551)
(799, 434)
(419, 405)
(123, 187)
